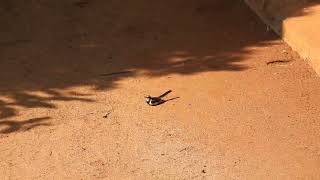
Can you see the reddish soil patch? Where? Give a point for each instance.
(73, 76)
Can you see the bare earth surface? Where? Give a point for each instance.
(248, 108)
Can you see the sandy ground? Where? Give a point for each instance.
(248, 108)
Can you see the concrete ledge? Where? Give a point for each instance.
(296, 21)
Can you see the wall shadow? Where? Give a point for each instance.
(48, 46)
(275, 12)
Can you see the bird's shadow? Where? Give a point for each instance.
(166, 100)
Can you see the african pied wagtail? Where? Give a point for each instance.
(154, 101)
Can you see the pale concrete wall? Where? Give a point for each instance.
(296, 21)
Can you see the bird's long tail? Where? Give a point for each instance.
(166, 93)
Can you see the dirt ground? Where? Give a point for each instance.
(248, 108)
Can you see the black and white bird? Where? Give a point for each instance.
(154, 101)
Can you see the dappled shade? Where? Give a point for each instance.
(48, 46)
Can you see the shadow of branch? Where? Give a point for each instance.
(15, 126)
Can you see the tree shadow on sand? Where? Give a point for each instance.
(52, 46)
(7, 127)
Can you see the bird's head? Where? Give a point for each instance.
(147, 98)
